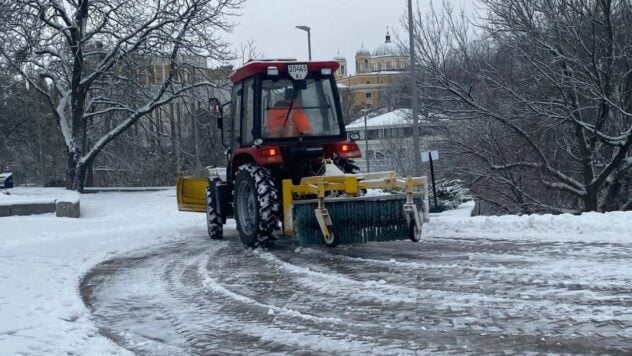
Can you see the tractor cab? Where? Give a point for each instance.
(286, 115)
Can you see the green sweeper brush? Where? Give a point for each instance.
(316, 217)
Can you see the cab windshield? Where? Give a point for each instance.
(293, 111)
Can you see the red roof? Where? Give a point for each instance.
(261, 66)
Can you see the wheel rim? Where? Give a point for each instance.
(246, 208)
(331, 241)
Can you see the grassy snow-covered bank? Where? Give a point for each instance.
(613, 227)
(42, 257)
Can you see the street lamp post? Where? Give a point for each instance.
(413, 91)
(309, 39)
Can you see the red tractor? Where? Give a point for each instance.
(286, 126)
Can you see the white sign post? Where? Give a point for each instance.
(429, 156)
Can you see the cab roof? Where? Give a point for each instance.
(254, 67)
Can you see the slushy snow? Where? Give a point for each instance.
(43, 258)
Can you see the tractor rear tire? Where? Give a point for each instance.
(256, 205)
(213, 218)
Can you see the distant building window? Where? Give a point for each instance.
(373, 134)
(366, 64)
(368, 82)
(367, 94)
(342, 70)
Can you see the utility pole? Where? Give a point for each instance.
(366, 145)
(413, 91)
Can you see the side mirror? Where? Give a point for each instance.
(354, 136)
(215, 107)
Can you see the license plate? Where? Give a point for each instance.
(297, 71)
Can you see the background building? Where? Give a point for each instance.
(386, 140)
(376, 71)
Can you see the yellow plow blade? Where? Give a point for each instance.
(191, 193)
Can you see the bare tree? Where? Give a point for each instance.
(30, 145)
(110, 59)
(546, 85)
(249, 51)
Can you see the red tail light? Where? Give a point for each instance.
(270, 151)
(348, 150)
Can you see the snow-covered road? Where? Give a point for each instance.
(135, 275)
(443, 294)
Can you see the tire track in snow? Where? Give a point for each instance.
(539, 273)
(264, 333)
(347, 301)
(463, 299)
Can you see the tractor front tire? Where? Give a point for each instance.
(213, 218)
(256, 205)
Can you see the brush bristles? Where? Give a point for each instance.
(356, 220)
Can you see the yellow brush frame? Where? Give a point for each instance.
(351, 186)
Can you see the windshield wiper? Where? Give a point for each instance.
(289, 110)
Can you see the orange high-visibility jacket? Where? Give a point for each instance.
(297, 122)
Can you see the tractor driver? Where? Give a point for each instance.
(282, 124)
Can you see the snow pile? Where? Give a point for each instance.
(23, 195)
(613, 227)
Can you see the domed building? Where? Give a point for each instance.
(342, 70)
(386, 57)
(375, 71)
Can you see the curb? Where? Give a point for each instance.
(90, 190)
(61, 208)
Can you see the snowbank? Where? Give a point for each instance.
(613, 227)
(23, 195)
(42, 259)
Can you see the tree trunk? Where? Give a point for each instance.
(89, 175)
(71, 170)
(590, 200)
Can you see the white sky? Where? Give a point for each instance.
(336, 25)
